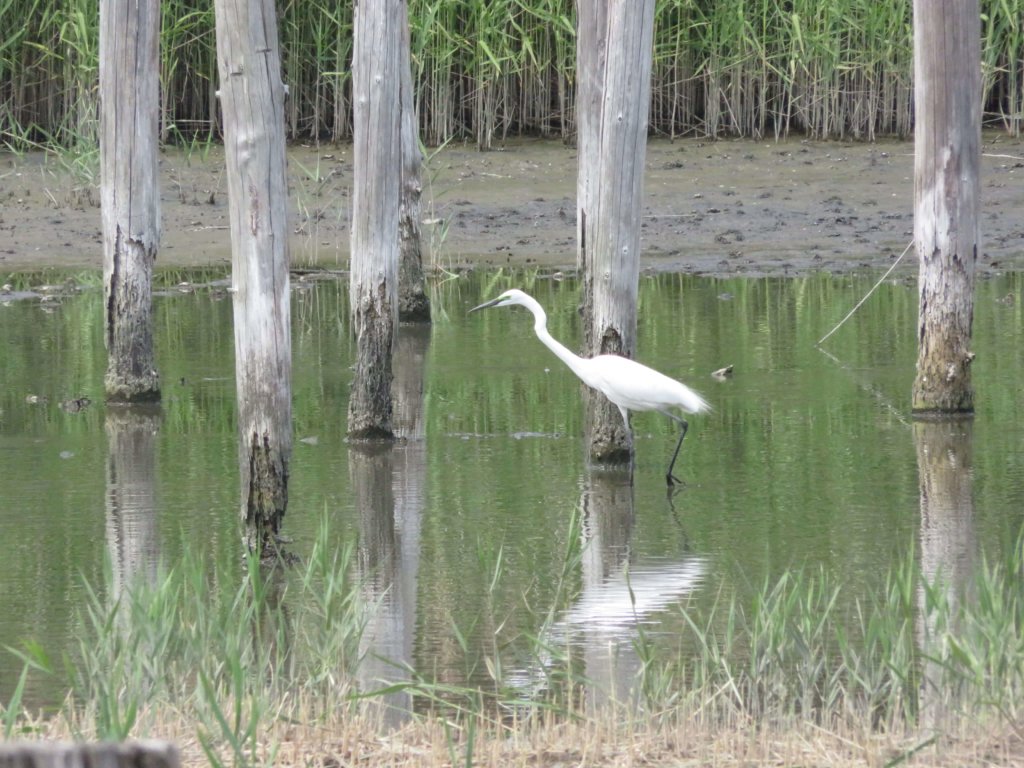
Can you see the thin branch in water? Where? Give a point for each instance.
(871, 389)
(866, 295)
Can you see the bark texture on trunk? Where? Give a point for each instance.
(413, 302)
(591, 47)
(376, 89)
(947, 233)
(615, 54)
(252, 99)
(370, 403)
(129, 193)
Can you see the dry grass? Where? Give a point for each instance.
(609, 738)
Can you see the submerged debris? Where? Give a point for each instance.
(722, 373)
(75, 405)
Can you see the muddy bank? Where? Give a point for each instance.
(724, 207)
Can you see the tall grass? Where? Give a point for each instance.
(53, 66)
(1003, 62)
(485, 69)
(240, 661)
(188, 71)
(229, 646)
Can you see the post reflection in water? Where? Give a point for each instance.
(617, 594)
(131, 529)
(388, 483)
(603, 608)
(947, 537)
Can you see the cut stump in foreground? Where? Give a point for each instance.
(148, 753)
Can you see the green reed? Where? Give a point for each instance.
(236, 653)
(215, 641)
(916, 648)
(188, 70)
(1003, 62)
(486, 69)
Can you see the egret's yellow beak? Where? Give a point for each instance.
(486, 304)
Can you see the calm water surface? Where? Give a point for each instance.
(808, 459)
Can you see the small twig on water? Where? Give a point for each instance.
(1002, 157)
(866, 295)
(871, 389)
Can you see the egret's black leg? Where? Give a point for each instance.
(669, 477)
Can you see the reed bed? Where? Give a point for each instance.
(485, 69)
(244, 668)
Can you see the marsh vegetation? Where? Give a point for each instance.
(796, 601)
(501, 68)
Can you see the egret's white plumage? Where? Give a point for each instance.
(630, 385)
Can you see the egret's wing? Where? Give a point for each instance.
(633, 385)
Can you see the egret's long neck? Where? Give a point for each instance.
(540, 327)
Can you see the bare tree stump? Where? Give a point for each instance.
(126, 754)
(376, 83)
(129, 193)
(591, 44)
(947, 232)
(413, 302)
(252, 100)
(615, 51)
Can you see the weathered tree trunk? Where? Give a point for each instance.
(148, 753)
(413, 302)
(408, 388)
(591, 44)
(947, 146)
(376, 88)
(129, 193)
(252, 100)
(615, 54)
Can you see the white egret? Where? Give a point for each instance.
(628, 384)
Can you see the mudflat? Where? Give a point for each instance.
(728, 207)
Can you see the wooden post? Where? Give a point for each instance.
(591, 44)
(377, 32)
(148, 753)
(129, 193)
(252, 100)
(947, 232)
(613, 146)
(413, 302)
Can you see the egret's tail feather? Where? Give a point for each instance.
(695, 403)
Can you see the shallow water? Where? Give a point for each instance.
(808, 459)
